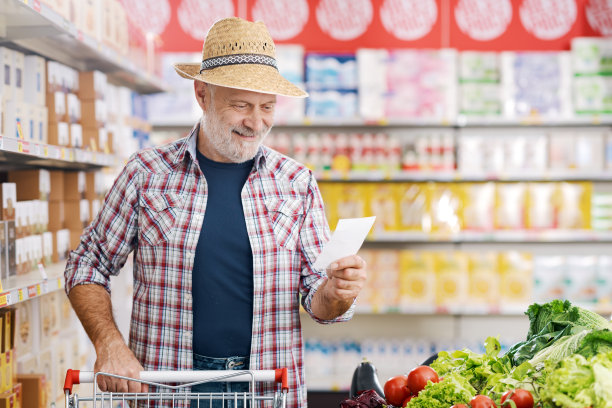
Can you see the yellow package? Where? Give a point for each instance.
(541, 205)
(351, 200)
(451, 279)
(516, 279)
(329, 194)
(574, 211)
(478, 206)
(413, 207)
(386, 283)
(446, 204)
(416, 280)
(483, 280)
(383, 204)
(510, 203)
(364, 300)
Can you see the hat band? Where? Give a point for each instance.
(236, 59)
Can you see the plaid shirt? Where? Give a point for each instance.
(156, 207)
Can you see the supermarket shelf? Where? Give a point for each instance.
(22, 153)
(517, 310)
(456, 176)
(34, 26)
(519, 236)
(308, 124)
(24, 287)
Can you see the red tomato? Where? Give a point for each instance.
(482, 401)
(459, 406)
(418, 377)
(522, 398)
(407, 400)
(396, 390)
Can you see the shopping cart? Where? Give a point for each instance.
(176, 395)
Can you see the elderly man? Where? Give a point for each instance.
(225, 232)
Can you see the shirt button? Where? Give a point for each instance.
(187, 335)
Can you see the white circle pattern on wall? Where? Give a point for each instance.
(409, 20)
(599, 16)
(483, 20)
(153, 20)
(344, 20)
(197, 16)
(284, 18)
(548, 19)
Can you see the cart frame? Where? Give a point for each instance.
(178, 394)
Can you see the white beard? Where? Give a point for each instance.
(226, 143)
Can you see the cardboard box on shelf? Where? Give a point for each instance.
(57, 107)
(93, 113)
(33, 390)
(6, 73)
(90, 18)
(8, 195)
(18, 69)
(4, 271)
(56, 215)
(32, 184)
(73, 108)
(35, 80)
(8, 400)
(56, 190)
(74, 208)
(75, 238)
(61, 245)
(92, 85)
(10, 234)
(58, 134)
(76, 135)
(74, 185)
(26, 329)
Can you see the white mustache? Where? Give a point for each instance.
(249, 132)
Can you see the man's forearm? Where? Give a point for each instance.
(92, 304)
(325, 307)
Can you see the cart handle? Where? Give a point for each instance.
(278, 376)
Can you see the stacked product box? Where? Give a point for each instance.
(64, 106)
(8, 232)
(92, 94)
(536, 84)
(592, 82)
(480, 88)
(290, 59)
(391, 80)
(10, 390)
(331, 81)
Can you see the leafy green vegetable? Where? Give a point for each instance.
(579, 382)
(453, 389)
(482, 371)
(595, 342)
(562, 348)
(550, 322)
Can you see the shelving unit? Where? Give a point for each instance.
(32, 26)
(36, 283)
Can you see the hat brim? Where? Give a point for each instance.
(250, 77)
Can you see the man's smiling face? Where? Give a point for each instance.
(234, 122)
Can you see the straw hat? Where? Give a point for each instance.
(240, 54)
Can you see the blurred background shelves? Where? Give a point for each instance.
(33, 26)
(20, 288)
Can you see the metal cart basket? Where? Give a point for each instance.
(179, 395)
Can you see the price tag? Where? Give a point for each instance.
(45, 151)
(38, 289)
(20, 147)
(31, 291)
(3, 299)
(62, 153)
(20, 295)
(59, 283)
(71, 155)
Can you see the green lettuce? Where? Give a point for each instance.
(578, 382)
(453, 389)
(596, 342)
(550, 322)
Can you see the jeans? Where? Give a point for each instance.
(214, 363)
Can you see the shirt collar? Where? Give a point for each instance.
(189, 145)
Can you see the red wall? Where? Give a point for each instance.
(345, 25)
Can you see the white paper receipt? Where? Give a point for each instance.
(346, 240)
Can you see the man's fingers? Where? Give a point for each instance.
(353, 261)
(134, 386)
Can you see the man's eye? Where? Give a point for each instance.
(240, 106)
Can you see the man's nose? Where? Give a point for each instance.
(255, 121)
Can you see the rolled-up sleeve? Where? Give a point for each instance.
(109, 239)
(313, 235)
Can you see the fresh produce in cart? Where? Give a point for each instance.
(564, 361)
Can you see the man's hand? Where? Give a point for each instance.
(117, 358)
(347, 277)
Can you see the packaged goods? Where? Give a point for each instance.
(446, 204)
(581, 279)
(516, 278)
(417, 280)
(548, 278)
(414, 205)
(541, 205)
(591, 55)
(451, 279)
(604, 280)
(510, 206)
(575, 205)
(479, 206)
(383, 204)
(483, 280)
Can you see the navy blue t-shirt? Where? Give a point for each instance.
(223, 266)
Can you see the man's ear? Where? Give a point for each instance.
(202, 94)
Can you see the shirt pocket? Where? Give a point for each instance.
(158, 215)
(286, 215)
